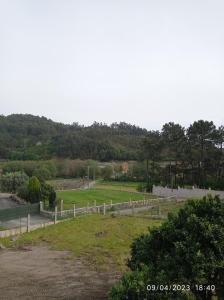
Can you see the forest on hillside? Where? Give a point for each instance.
(173, 156)
(28, 137)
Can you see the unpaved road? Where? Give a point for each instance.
(6, 202)
(41, 273)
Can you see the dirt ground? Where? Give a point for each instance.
(6, 202)
(41, 273)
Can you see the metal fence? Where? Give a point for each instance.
(19, 212)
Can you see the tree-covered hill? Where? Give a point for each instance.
(24, 136)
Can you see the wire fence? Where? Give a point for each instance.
(19, 212)
(102, 209)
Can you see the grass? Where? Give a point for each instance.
(164, 209)
(118, 185)
(101, 241)
(104, 242)
(82, 198)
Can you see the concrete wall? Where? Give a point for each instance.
(184, 193)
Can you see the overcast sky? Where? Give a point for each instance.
(145, 62)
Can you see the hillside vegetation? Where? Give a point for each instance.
(175, 156)
(30, 137)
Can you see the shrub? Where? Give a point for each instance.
(48, 194)
(187, 249)
(106, 172)
(11, 182)
(42, 173)
(141, 187)
(23, 192)
(34, 190)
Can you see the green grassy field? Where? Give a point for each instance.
(82, 198)
(102, 241)
(118, 185)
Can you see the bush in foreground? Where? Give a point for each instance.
(188, 250)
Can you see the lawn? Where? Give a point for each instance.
(102, 241)
(82, 198)
(118, 185)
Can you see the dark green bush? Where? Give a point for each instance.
(10, 182)
(187, 249)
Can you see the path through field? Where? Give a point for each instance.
(41, 273)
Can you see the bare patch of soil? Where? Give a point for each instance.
(41, 273)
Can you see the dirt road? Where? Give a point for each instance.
(41, 273)
(6, 202)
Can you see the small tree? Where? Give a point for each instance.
(48, 194)
(34, 190)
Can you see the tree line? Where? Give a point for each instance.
(28, 137)
(193, 156)
(173, 156)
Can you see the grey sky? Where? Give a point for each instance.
(144, 62)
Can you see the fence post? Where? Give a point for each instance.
(74, 211)
(104, 208)
(87, 207)
(20, 225)
(61, 206)
(55, 214)
(28, 223)
(132, 209)
(111, 203)
(41, 206)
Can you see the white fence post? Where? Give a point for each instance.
(55, 214)
(74, 211)
(61, 206)
(104, 208)
(132, 209)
